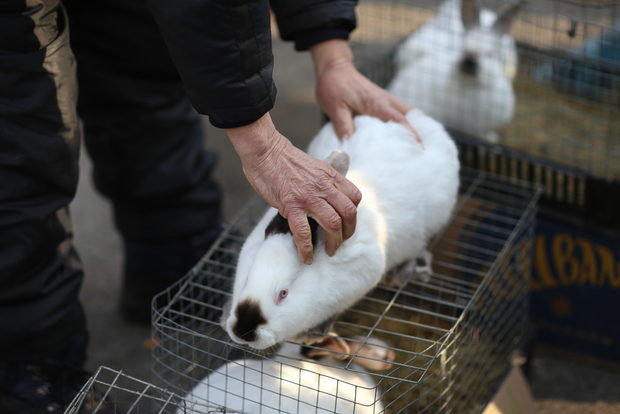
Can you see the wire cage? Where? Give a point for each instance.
(451, 337)
(112, 391)
(564, 128)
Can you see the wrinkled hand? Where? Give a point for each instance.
(298, 185)
(343, 92)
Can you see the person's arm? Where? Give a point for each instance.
(298, 185)
(222, 50)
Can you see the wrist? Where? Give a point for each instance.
(330, 54)
(255, 142)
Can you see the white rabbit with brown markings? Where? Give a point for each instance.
(408, 193)
(459, 68)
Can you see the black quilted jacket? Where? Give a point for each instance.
(222, 48)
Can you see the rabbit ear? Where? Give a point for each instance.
(372, 353)
(470, 15)
(506, 17)
(448, 12)
(331, 345)
(339, 160)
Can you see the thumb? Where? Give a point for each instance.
(342, 119)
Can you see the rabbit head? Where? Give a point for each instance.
(488, 50)
(276, 296)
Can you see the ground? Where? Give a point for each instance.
(560, 385)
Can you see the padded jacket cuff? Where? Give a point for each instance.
(304, 40)
(240, 116)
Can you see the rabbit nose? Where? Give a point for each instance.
(249, 317)
(469, 64)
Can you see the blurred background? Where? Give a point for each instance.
(565, 119)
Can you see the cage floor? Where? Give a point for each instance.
(451, 336)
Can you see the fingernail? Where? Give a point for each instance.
(331, 250)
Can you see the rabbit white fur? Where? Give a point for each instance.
(408, 193)
(459, 68)
(289, 382)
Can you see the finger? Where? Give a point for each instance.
(302, 235)
(404, 108)
(400, 106)
(331, 222)
(345, 206)
(342, 119)
(349, 189)
(414, 132)
(348, 216)
(392, 114)
(386, 112)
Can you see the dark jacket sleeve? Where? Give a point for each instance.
(222, 50)
(307, 22)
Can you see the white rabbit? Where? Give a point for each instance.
(408, 193)
(459, 68)
(292, 382)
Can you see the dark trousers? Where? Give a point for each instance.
(145, 139)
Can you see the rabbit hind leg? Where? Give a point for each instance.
(422, 269)
(418, 268)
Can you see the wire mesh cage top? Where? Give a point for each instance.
(112, 391)
(450, 338)
(550, 87)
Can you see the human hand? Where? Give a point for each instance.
(343, 92)
(298, 185)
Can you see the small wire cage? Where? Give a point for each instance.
(566, 87)
(112, 391)
(451, 336)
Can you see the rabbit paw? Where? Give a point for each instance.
(492, 137)
(422, 266)
(398, 276)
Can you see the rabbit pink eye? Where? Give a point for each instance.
(282, 295)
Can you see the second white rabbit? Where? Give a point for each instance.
(459, 68)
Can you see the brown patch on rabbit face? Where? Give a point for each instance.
(249, 318)
(279, 225)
